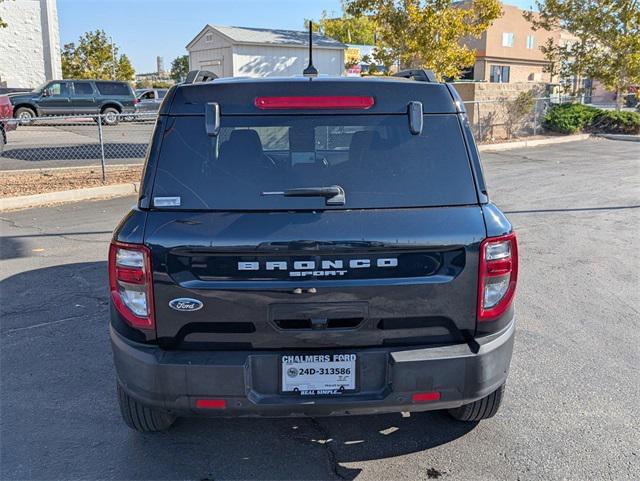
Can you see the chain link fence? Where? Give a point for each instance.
(100, 141)
(507, 119)
(87, 140)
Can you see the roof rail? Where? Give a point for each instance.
(195, 76)
(421, 75)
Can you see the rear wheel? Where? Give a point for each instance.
(110, 116)
(140, 417)
(3, 139)
(25, 115)
(484, 408)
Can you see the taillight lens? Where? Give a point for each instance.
(312, 103)
(130, 283)
(498, 276)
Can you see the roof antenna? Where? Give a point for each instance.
(310, 71)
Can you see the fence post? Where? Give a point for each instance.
(535, 117)
(479, 126)
(102, 161)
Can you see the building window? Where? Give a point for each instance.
(208, 37)
(531, 42)
(507, 39)
(499, 74)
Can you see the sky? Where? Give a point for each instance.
(144, 29)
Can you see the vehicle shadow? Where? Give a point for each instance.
(61, 418)
(92, 151)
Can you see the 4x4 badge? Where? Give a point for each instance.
(185, 304)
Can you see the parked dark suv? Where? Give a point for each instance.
(311, 246)
(75, 97)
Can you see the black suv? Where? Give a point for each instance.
(75, 97)
(311, 246)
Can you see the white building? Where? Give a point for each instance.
(259, 52)
(30, 45)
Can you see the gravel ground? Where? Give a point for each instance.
(40, 181)
(572, 399)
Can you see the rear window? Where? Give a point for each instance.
(374, 158)
(113, 88)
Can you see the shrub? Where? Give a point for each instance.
(570, 118)
(517, 110)
(614, 122)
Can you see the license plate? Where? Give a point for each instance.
(318, 374)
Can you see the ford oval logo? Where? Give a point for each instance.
(185, 304)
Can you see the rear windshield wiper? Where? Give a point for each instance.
(333, 194)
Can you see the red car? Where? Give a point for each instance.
(6, 113)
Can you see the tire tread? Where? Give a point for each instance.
(140, 417)
(484, 408)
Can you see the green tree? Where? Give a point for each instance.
(180, 68)
(96, 58)
(608, 40)
(427, 34)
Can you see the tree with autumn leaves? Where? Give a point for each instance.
(426, 34)
(607, 46)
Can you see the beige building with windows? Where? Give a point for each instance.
(509, 51)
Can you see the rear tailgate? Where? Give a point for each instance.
(410, 277)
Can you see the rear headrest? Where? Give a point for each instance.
(242, 144)
(248, 137)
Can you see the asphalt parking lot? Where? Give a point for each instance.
(572, 398)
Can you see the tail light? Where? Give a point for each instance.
(130, 283)
(136, 101)
(498, 276)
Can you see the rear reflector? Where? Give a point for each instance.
(423, 397)
(211, 404)
(313, 103)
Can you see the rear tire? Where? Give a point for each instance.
(142, 418)
(110, 116)
(3, 139)
(484, 408)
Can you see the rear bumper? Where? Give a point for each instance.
(249, 381)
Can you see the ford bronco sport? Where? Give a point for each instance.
(311, 246)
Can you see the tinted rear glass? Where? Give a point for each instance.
(113, 88)
(374, 158)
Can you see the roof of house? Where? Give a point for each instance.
(267, 36)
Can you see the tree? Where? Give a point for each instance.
(608, 40)
(347, 28)
(95, 58)
(180, 68)
(427, 34)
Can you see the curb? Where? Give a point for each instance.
(531, 143)
(37, 200)
(627, 137)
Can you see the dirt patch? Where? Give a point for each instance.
(38, 182)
